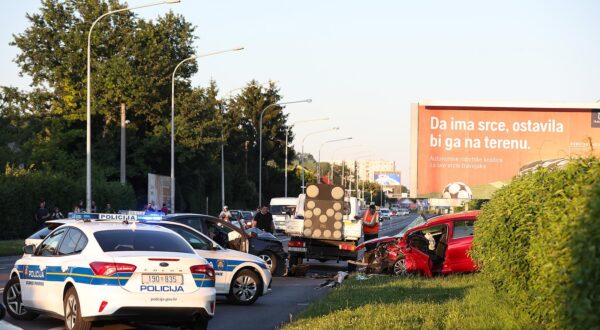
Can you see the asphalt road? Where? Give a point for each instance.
(289, 295)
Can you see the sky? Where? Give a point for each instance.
(364, 62)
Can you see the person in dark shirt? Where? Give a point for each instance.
(264, 220)
(41, 215)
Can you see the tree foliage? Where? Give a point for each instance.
(132, 61)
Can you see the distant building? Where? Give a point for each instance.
(366, 168)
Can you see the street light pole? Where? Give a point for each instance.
(88, 103)
(260, 143)
(193, 57)
(304, 140)
(321, 147)
(286, 148)
(342, 162)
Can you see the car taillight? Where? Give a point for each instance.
(346, 247)
(111, 268)
(203, 269)
(295, 244)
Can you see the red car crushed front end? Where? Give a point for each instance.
(440, 246)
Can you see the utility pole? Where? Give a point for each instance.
(123, 149)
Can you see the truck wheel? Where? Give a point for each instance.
(14, 302)
(245, 288)
(72, 307)
(295, 260)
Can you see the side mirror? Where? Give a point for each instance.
(29, 249)
(357, 217)
(214, 247)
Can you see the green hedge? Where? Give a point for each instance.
(538, 240)
(21, 194)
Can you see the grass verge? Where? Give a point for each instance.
(11, 247)
(384, 302)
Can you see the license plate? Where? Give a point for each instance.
(162, 279)
(297, 249)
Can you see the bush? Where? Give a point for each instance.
(21, 194)
(536, 239)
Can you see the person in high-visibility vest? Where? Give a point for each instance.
(370, 222)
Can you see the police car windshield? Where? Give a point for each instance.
(141, 240)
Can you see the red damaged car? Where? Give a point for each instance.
(437, 245)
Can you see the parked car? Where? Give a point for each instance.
(242, 219)
(438, 245)
(239, 276)
(85, 271)
(253, 240)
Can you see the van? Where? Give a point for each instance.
(282, 208)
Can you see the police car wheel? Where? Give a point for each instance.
(72, 308)
(13, 301)
(245, 287)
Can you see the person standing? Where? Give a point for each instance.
(225, 214)
(56, 214)
(164, 209)
(264, 220)
(108, 208)
(41, 215)
(370, 221)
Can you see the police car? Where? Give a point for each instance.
(85, 271)
(241, 277)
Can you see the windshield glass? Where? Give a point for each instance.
(141, 240)
(420, 220)
(282, 209)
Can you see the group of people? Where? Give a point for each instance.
(150, 208)
(263, 219)
(43, 214)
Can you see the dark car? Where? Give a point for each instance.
(253, 240)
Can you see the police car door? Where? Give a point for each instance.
(206, 249)
(68, 259)
(35, 286)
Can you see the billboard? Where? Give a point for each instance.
(159, 190)
(469, 150)
(387, 178)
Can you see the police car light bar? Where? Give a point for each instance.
(103, 216)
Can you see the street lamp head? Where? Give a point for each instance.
(172, 1)
(308, 100)
(336, 128)
(239, 48)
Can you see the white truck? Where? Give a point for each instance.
(282, 209)
(301, 247)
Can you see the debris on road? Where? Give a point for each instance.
(334, 281)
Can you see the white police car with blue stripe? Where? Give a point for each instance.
(242, 277)
(85, 271)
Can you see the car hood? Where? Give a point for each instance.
(376, 241)
(262, 235)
